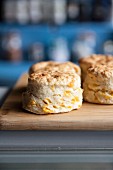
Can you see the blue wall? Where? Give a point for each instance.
(9, 72)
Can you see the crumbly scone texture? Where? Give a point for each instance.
(55, 66)
(52, 92)
(66, 101)
(94, 59)
(98, 84)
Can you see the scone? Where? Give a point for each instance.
(98, 85)
(52, 92)
(94, 59)
(56, 66)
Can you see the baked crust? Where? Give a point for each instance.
(97, 58)
(103, 71)
(51, 77)
(55, 66)
(94, 59)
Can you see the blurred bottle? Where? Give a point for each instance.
(59, 11)
(85, 10)
(59, 51)
(12, 46)
(35, 11)
(36, 52)
(9, 10)
(84, 45)
(101, 10)
(22, 14)
(48, 11)
(108, 47)
(72, 10)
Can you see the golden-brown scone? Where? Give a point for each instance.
(52, 92)
(56, 66)
(94, 59)
(98, 84)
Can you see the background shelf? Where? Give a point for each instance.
(89, 30)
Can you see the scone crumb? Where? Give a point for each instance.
(79, 106)
(74, 100)
(67, 93)
(71, 84)
(55, 106)
(56, 94)
(70, 107)
(62, 105)
(47, 110)
(32, 102)
(52, 88)
(47, 101)
(111, 93)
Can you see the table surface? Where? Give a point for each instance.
(48, 150)
(88, 117)
(53, 140)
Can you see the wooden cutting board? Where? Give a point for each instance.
(88, 117)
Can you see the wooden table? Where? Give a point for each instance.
(55, 150)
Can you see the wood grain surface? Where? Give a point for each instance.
(88, 117)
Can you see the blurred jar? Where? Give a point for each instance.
(9, 10)
(36, 52)
(72, 10)
(48, 11)
(22, 13)
(59, 11)
(35, 11)
(108, 47)
(12, 46)
(59, 51)
(84, 45)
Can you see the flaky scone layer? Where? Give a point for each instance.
(54, 102)
(98, 85)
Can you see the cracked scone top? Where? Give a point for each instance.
(52, 92)
(51, 77)
(98, 84)
(97, 58)
(103, 71)
(56, 66)
(94, 59)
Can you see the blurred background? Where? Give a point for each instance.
(60, 30)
